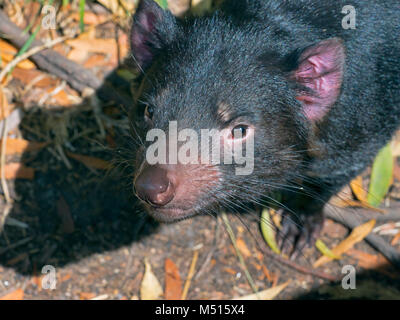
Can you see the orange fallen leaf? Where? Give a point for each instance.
(80, 48)
(341, 203)
(358, 234)
(267, 273)
(91, 162)
(17, 170)
(173, 282)
(367, 260)
(95, 60)
(14, 145)
(230, 270)
(358, 189)
(396, 239)
(65, 278)
(243, 247)
(86, 295)
(15, 295)
(8, 52)
(41, 79)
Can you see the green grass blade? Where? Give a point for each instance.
(81, 14)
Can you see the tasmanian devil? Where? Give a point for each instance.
(314, 93)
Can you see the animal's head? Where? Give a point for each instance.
(214, 74)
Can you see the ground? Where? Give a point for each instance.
(67, 208)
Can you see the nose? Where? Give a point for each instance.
(153, 186)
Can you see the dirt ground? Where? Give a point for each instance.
(87, 224)
(67, 211)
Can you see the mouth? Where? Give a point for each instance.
(169, 215)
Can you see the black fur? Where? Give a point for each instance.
(243, 55)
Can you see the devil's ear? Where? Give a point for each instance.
(318, 71)
(152, 29)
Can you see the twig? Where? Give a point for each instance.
(211, 252)
(299, 268)
(241, 259)
(190, 275)
(14, 245)
(3, 162)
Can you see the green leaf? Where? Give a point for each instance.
(381, 176)
(325, 250)
(268, 231)
(163, 3)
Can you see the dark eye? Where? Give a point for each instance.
(148, 112)
(240, 131)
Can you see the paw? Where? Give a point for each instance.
(298, 231)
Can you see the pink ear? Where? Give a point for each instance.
(320, 69)
(144, 37)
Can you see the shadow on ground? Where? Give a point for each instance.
(72, 211)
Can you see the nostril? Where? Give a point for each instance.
(153, 186)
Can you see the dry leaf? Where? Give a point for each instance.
(173, 282)
(40, 79)
(341, 203)
(95, 60)
(107, 46)
(358, 189)
(7, 54)
(268, 294)
(267, 273)
(91, 162)
(15, 295)
(241, 245)
(150, 288)
(368, 261)
(358, 234)
(119, 8)
(17, 170)
(396, 239)
(86, 295)
(230, 271)
(14, 146)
